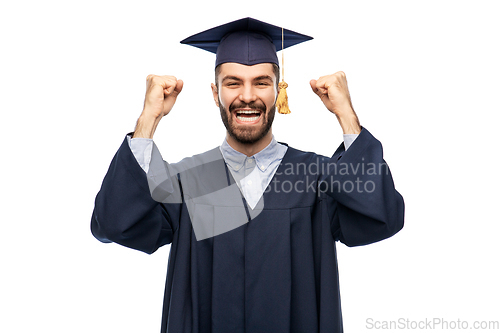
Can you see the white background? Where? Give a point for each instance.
(424, 79)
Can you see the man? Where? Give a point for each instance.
(252, 223)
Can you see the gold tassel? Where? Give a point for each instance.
(282, 100)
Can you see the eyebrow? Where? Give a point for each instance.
(229, 77)
(263, 77)
(258, 78)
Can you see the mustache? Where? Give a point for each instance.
(252, 105)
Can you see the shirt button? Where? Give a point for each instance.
(250, 160)
(249, 182)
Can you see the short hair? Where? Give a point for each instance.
(276, 71)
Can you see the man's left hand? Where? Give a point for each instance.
(333, 92)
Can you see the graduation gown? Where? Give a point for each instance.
(277, 272)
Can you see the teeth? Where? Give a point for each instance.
(249, 119)
(248, 111)
(243, 115)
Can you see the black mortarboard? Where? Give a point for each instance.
(249, 42)
(246, 41)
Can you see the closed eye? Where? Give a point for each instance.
(263, 81)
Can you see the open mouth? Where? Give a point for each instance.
(248, 116)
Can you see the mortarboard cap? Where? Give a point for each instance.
(246, 41)
(249, 42)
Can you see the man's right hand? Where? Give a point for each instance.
(161, 93)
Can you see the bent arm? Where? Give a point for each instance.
(368, 207)
(125, 212)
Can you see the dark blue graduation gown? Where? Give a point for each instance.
(276, 273)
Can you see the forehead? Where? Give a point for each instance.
(245, 72)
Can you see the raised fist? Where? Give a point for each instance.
(333, 92)
(161, 93)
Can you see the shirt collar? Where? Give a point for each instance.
(263, 158)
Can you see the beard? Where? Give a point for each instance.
(248, 135)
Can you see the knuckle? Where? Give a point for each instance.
(170, 78)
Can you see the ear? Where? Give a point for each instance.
(216, 94)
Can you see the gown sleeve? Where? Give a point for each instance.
(126, 213)
(366, 206)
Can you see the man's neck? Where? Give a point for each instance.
(250, 149)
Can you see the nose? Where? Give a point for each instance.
(247, 94)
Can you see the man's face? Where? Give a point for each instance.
(246, 97)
